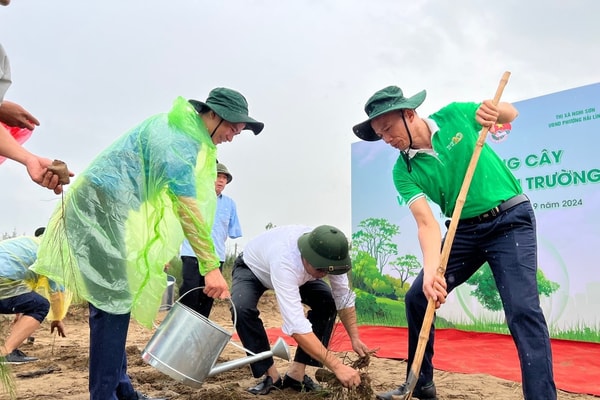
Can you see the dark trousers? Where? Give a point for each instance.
(508, 244)
(108, 359)
(31, 304)
(196, 299)
(246, 290)
(102, 264)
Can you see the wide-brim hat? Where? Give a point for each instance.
(222, 169)
(229, 105)
(383, 101)
(326, 248)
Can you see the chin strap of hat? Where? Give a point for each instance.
(410, 143)
(217, 127)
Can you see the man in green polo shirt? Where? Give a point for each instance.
(497, 223)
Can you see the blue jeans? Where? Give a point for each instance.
(246, 290)
(508, 244)
(108, 359)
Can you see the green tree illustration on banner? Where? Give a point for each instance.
(372, 249)
(366, 276)
(374, 237)
(406, 266)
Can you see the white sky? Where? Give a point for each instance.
(89, 71)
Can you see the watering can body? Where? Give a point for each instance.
(186, 347)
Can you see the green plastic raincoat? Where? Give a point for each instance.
(125, 216)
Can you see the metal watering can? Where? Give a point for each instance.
(186, 346)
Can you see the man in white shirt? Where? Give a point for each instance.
(292, 260)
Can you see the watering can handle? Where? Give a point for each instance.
(229, 298)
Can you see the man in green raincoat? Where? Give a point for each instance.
(126, 215)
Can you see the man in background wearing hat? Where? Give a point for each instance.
(497, 224)
(125, 217)
(292, 261)
(226, 225)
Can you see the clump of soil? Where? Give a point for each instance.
(60, 168)
(338, 392)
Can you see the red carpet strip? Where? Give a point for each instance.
(576, 364)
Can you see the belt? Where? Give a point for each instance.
(499, 209)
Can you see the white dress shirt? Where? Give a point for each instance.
(275, 259)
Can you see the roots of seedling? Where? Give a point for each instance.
(338, 392)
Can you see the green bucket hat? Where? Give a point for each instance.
(229, 105)
(383, 101)
(222, 169)
(326, 248)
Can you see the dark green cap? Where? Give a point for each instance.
(326, 248)
(222, 169)
(383, 101)
(229, 105)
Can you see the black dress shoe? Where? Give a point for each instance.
(307, 384)
(142, 396)
(425, 392)
(265, 386)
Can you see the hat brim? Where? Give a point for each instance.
(365, 131)
(332, 267)
(230, 116)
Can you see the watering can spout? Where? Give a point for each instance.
(280, 349)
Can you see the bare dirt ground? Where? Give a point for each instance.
(61, 372)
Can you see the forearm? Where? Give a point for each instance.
(197, 232)
(507, 112)
(430, 240)
(348, 318)
(10, 148)
(313, 346)
(430, 237)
